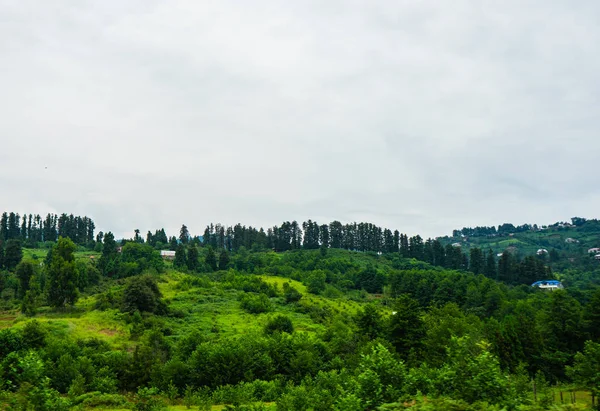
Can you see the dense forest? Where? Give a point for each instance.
(295, 317)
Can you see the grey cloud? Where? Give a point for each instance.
(422, 116)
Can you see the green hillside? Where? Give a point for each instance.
(322, 329)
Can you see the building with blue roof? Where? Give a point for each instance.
(548, 285)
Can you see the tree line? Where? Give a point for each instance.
(32, 229)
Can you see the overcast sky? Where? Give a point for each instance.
(418, 115)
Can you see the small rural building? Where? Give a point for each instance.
(571, 241)
(597, 256)
(548, 285)
(542, 251)
(594, 250)
(456, 245)
(167, 254)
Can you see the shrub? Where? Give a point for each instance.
(142, 294)
(279, 323)
(255, 304)
(290, 294)
(147, 399)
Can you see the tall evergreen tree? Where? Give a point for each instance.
(223, 260)
(192, 258)
(4, 226)
(24, 271)
(476, 261)
(13, 254)
(62, 274)
(211, 259)
(324, 235)
(336, 234)
(404, 249)
(490, 265)
(506, 268)
(108, 259)
(184, 234)
(180, 257)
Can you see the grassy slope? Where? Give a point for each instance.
(204, 307)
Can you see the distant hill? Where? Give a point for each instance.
(566, 244)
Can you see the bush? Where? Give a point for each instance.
(147, 399)
(255, 304)
(279, 323)
(97, 399)
(142, 294)
(290, 294)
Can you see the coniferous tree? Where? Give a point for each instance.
(192, 258)
(506, 268)
(211, 259)
(404, 249)
(223, 260)
(324, 236)
(180, 257)
(184, 234)
(23, 232)
(150, 239)
(490, 265)
(476, 261)
(62, 274)
(336, 234)
(13, 254)
(108, 259)
(24, 271)
(439, 254)
(4, 226)
(405, 327)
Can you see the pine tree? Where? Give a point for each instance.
(192, 258)
(4, 226)
(180, 257)
(223, 260)
(490, 265)
(476, 261)
(24, 271)
(211, 259)
(62, 274)
(12, 254)
(108, 260)
(184, 234)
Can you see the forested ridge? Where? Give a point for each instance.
(298, 316)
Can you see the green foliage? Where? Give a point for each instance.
(370, 322)
(62, 274)
(315, 282)
(211, 259)
(279, 323)
(141, 293)
(290, 294)
(24, 271)
(147, 399)
(136, 258)
(13, 254)
(585, 371)
(255, 303)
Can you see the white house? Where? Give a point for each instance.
(571, 241)
(594, 250)
(597, 256)
(542, 251)
(167, 254)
